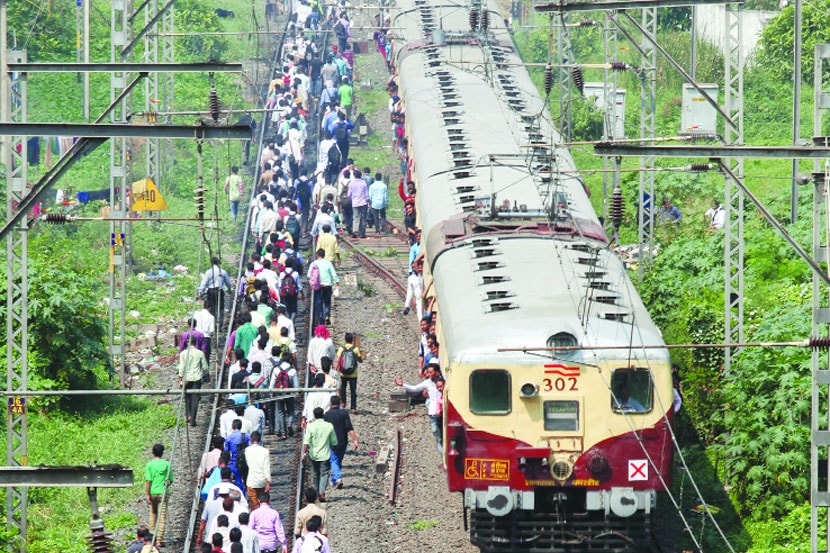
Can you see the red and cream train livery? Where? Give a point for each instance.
(559, 450)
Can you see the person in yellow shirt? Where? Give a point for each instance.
(328, 243)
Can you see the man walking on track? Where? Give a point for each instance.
(348, 357)
(259, 469)
(317, 444)
(192, 367)
(266, 522)
(158, 474)
(342, 423)
(214, 283)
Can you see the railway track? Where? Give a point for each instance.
(288, 473)
(385, 256)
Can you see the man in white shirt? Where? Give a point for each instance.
(206, 324)
(318, 398)
(267, 222)
(226, 418)
(435, 407)
(259, 469)
(715, 215)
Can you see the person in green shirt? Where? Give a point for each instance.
(346, 93)
(317, 444)
(158, 474)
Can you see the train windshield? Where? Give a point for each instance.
(490, 392)
(632, 390)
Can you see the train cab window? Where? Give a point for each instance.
(490, 392)
(633, 391)
(562, 415)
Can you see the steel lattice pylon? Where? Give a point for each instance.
(152, 91)
(733, 197)
(167, 88)
(648, 103)
(820, 497)
(609, 180)
(564, 56)
(15, 155)
(120, 33)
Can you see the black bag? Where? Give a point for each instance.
(340, 132)
(348, 361)
(370, 217)
(334, 156)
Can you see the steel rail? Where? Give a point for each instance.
(195, 510)
(374, 266)
(396, 467)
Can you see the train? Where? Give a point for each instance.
(558, 389)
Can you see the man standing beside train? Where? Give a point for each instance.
(434, 409)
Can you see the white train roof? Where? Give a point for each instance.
(480, 134)
(518, 291)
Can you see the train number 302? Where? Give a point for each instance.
(560, 384)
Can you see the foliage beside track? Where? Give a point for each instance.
(68, 264)
(747, 432)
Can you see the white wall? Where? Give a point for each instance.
(711, 26)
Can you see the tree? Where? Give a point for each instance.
(67, 332)
(778, 39)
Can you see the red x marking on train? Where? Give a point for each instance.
(637, 470)
(561, 370)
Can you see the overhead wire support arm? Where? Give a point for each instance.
(115, 130)
(131, 46)
(786, 152)
(623, 5)
(58, 67)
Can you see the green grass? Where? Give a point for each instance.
(120, 432)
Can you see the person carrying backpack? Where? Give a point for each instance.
(322, 278)
(280, 379)
(348, 358)
(291, 287)
(340, 130)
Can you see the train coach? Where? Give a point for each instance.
(552, 450)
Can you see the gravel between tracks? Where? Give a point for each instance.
(426, 516)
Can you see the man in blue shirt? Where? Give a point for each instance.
(379, 201)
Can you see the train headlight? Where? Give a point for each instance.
(529, 390)
(597, 463)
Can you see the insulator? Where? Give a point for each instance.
(56, 218)
(213, 104)
(485, 21)
(588, 23)
(548, 79)
(615, 210)
(100, 542)
(618, 66)
(473, 20)
(695, 136)
(199, 199)
(699, 167)
(579, 80)
(819, 342)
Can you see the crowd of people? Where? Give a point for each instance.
(312, 90)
